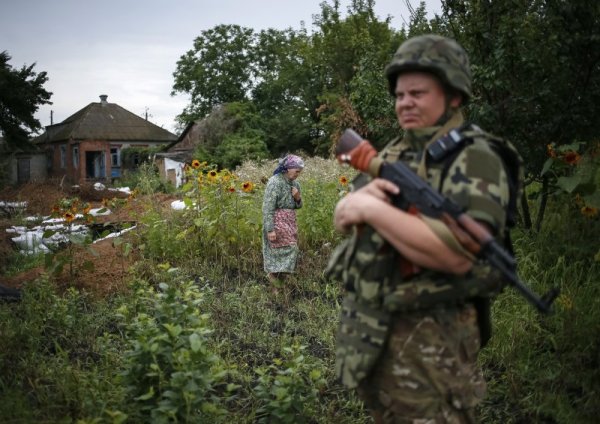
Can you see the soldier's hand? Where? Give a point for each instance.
(352, 208)
(380, 188)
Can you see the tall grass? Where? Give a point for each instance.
(546, 368)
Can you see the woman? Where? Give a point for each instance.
(280, 231)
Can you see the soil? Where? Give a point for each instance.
(109, 270)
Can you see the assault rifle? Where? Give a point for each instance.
(415, 191)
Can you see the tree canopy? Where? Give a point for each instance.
(536, 72)
(21, 93)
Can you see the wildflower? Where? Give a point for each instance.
(195, 164)
(212, 175)
(571, 157)
(231, 189)
(247, 186)
(550, 150)
(200, 179)
(343, 180)
(69, 217)
(589, 211)
(565, 301)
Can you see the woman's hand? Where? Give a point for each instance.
(296, 194)
(272, 236)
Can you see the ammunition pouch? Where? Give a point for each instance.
(361, 337)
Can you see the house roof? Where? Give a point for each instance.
(105, 121)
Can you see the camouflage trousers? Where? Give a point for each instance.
(427, 373)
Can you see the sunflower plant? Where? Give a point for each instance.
(61, 240)
(576, 171)
(222, 211)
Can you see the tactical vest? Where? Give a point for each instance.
(371, 268)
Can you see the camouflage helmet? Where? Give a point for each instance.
(439, 55)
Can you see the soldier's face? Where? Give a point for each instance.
(420, 100)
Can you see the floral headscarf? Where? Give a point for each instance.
(289, 162)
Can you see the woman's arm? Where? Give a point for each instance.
(297, 195)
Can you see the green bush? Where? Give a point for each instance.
(288, 389)
(170, 371)
(53, 363)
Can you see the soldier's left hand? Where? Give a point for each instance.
(352, 208)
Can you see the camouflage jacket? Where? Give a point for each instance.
(476, 179)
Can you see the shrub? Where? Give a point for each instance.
(171, 372)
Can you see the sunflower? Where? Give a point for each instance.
(343, 180)
(247, 186)
(68, 216)
(231, 189)
(589, 211)
(571, 157)
(195, 164)
(212, 175)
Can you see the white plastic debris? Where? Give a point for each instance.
(178, 205)
(100, 211)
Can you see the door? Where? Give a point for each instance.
(23, 170)
(95, 164)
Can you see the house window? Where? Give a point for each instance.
(115, 156)
(75, 156)
(63, 155)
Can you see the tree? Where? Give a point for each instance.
(217, 70)
(21, 94)
(286, 90)
(351, 53)
(536, 69)
(230, 135)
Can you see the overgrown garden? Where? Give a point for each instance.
(197, 337)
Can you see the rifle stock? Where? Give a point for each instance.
(471, 234)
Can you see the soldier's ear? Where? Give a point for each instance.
(456, 100)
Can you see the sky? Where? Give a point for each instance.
(128, 49)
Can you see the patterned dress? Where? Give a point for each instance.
(279, 215)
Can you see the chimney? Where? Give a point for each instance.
(103, 98)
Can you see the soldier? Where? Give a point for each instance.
(416, 309)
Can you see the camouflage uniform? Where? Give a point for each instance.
(408, 341)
